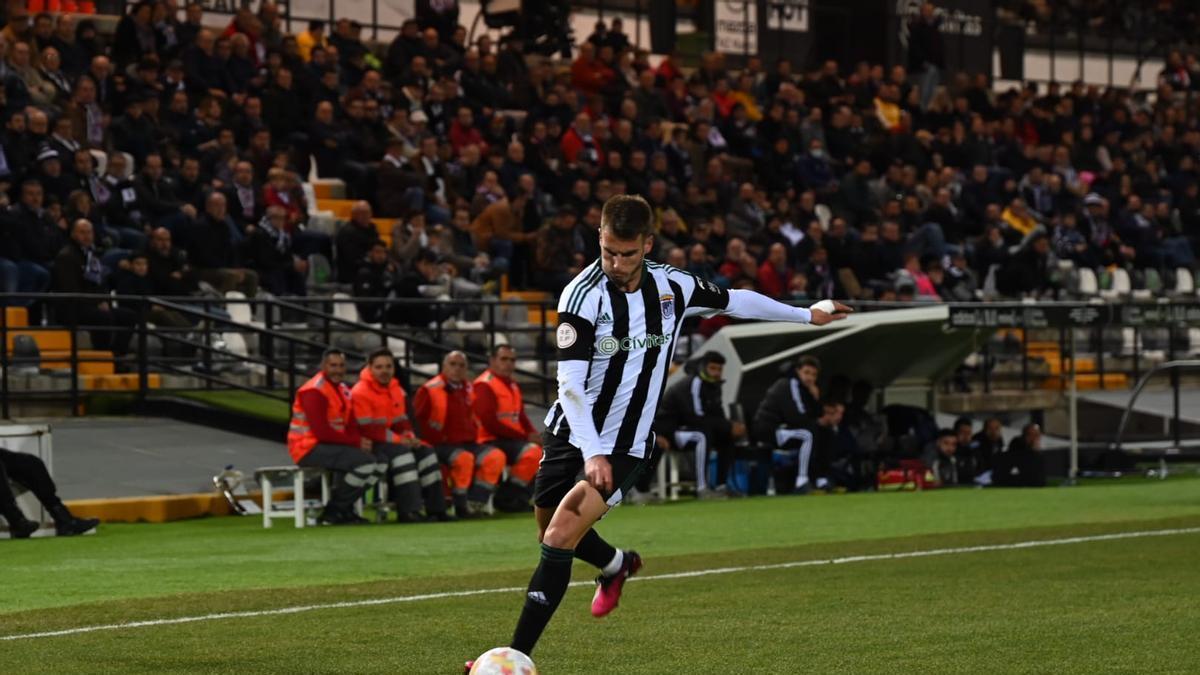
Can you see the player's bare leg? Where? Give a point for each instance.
(571, 520)
(613, 563)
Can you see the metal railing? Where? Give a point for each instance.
(1174, 367)
(291, 335)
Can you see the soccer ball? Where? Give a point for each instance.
(503, 661)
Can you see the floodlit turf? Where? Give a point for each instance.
(1121, 605)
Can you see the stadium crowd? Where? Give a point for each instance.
(188, 146)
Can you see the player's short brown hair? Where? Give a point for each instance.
(627, 217)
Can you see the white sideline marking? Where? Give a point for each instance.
(1036, 543)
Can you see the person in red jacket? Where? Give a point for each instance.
(322, 434)
(381, 413)
(579, 143)
(463, 132)
(588, 73)
(503, 424)
(444, 419)
(774, 275)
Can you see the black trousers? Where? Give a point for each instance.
(30, 471)
(116, 340)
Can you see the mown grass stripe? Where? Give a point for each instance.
(959, 550)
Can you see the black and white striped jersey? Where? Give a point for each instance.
(620, 346)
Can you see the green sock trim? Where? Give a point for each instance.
(557, 554)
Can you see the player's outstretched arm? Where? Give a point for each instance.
(745, 304)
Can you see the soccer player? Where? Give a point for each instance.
(618, 323)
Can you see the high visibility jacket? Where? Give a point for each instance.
(443, 412)
(304, 433)
(381, 412)
(499, 409)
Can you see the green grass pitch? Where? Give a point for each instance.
(1108, 605)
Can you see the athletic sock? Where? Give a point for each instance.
(614, 565)
(593, 550)
(546, 589)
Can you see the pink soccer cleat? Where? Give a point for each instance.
(608, 589)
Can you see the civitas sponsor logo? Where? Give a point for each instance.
(612, 345)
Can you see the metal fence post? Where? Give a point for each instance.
(74, 363)
(4, 361)
(143, 355)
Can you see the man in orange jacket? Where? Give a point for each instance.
(500, 412)
(322, 434)
(445, 421)
(381, 412)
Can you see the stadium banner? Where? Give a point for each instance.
(967, 32)
(736, 27)
(1073, 316)
(787, 15)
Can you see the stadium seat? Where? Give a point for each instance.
(345, 309)
(1088, 286)
(1185, 283)
(328, 188)
(339, 207)
(1121, 285)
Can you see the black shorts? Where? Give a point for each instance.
(562, 468)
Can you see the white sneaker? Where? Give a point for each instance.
(719, 492)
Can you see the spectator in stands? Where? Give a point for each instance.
(500, 411)
(323, 433)
(77, 269)
(30, 472)
(443, 411)
(354, 239)
(774, 275)
(1021, 465)
(499, 230)
(785, 421)
(135, 280)
(267, 250)
(244, 196)
(313, 36)
(376, 279)
(1029, 273)
(559, 252)
(169, 272)
(29, 237)
(692, 417)
(213, 243)
(381, 411)
(155, 196)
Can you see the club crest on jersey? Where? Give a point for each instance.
(668, 306)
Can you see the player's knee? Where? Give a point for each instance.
(560, 535)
